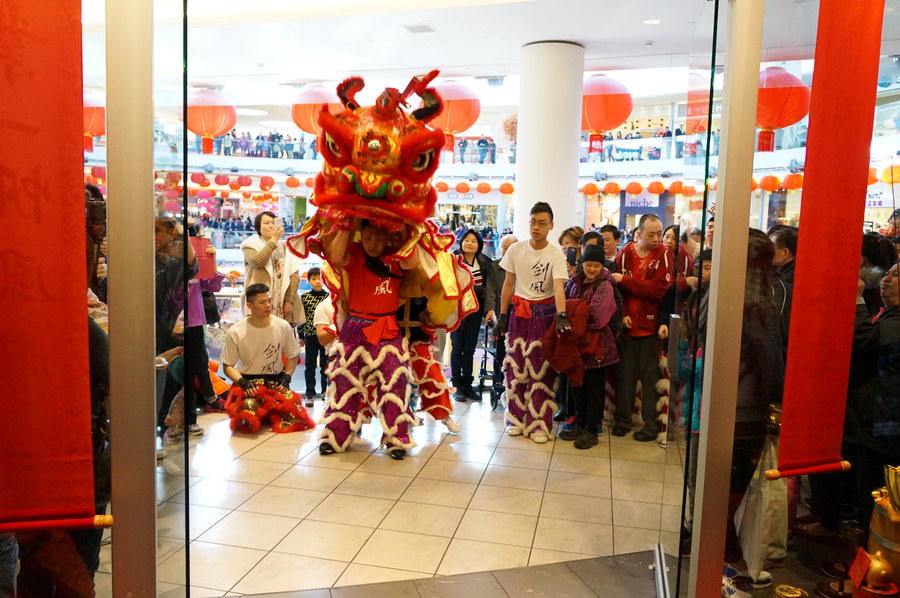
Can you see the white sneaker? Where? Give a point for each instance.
(539, 437)
(161, 454)
(730, 591)
(451, 425)
(195, 430)
(513, 431)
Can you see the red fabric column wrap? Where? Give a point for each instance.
(815, 391)
(46, 472)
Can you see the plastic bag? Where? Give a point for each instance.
(763, 525)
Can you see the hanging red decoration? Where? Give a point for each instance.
(94, 119)
(688, 191)
(310, 182)
(462, 188)
(267, 196)
(222, 179)
(441, 187)
(612, 189)
(656, 188)
(676, 188)
(483, 188)
(173, 178)
(783, 101)
(634, 188)
(247, 194)
(205, 183)
(244, 180)
(793, 182)
(461, 109)
(197, 177)
(234, 185)
(753, 185)
(507, 188)
(306, 107)
(891, 175)
(590, 189)
(292, 182)
(697, 102)
(873, 176)
(266, 182)
(605, 104)
(770, 183)
(225, 194)
(210, 114)
(90, 179)
(99, 172)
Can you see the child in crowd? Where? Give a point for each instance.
(595, 285)
(369, 351)
(315, 352)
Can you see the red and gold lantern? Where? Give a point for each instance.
(210, 114)
(783, 101)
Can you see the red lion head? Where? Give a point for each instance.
(379, 160)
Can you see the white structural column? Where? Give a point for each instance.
(547, 145)
(743, 39)
(132, 319)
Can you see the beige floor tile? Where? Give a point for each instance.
(521, 458)
(348, 460)
(629, 539)
(437, 492)
(323, 540)
(672, 494)
(165, 547)
(250, 530)
(305, 437)
(579, 484)
(250, 471)
(286, 502)
(452, 471)
(637, 490)
(637, 470)
(201, 464)
(212, 565)
(469, 422)
(673, 474)
(671, 518)
(514, 477)
(423, 449)
(219, 493)
(279, 452)
(580, 464)
(233, 445)
(387, 465)
(279, 572)
(470, 453)
(170, 520)
(574, 536)
(577, 508)
(103, 585)
(540, 556)
(356, 575)
(431, 520)
(500, 528)
(671, 543)
(413, 552)
(304, 477)
(636, 514)
(638, 451)
(467, 556)
(168, 590)
(475, 437)
(524, 444)
(374, 485)
(507, 500)
(352, 510)
(168, 485)
(564, 447)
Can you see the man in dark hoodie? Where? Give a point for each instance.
(785, 240)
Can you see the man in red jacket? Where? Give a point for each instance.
(645, 273)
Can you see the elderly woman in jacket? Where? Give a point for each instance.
(465, 338)
(267, 261)
(595, 285)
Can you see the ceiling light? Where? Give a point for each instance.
(652, 22)
(419, 28)
(250, 112)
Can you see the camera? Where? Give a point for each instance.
(95, 214)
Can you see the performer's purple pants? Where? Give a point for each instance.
(361, 373)
(530, 381)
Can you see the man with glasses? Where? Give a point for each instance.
(535, 279)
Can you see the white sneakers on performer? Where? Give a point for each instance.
(730, 591)
(195, 430)
(451, 425)
(539, 437)
(513, 431)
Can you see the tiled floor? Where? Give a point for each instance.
(269, 514)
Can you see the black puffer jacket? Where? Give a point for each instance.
(486, 292)
(761, 373)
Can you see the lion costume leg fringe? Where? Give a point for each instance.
(530, 381)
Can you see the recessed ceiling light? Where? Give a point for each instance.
(652, 22)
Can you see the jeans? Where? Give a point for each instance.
(464, 340)
(315, 353)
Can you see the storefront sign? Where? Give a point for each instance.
(876, 200)
(641, 201)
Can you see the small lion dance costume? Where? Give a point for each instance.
(379, 161)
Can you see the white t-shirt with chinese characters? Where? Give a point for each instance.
(535, 270)
(255, 350)
(324, 315)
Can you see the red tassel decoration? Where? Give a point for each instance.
(766, 141)
(208, 145)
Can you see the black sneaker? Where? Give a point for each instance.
(571, 434)
(398, 453)
(560, 416)
(309, 400)
(619, 431)
(586, 440)
(471, 393)
(325, 449)
(459, 395)
(644, 436)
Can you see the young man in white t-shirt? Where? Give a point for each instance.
(253, 346)
(535, 284)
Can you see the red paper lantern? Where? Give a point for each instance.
(656, 188)
(688, 191)
(753, 185)
(197, 177)
(99, 172)
(94, 118)
(891, 175)
(247, 194)
(462, 188)
(605, 104)
(441, 187)
(590, 189)
(173, 178)
(310, 182)
(483, 188)
(225, 194)
(222, 179)
(266, 183)
(90, 179)
(267, 196)
(210, 114)
(244, 181)
(634, 188)
(793, 182)
(676, 188)
(205, 183)
(783, 101)
(292, 182)
(770, 183)
(873, 176)
(306, 107)
(507, 188)
(234, 185)
(612, 189)
(461, 108)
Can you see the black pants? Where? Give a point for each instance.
(196, 365)
(638, 361)
(589, 399)
(315, 354)
(749, 440)
(464, 340)
(499, 381)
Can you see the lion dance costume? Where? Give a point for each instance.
(379, 162)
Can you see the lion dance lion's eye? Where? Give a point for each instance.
(422, 161)
(332, 146)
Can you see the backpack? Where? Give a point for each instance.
(615, 322)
